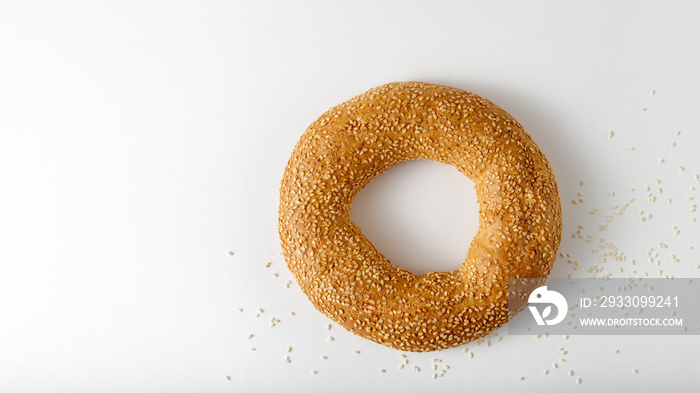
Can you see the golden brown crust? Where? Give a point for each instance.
(344, 275)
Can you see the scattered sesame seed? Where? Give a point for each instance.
(289, 349)
(324, 357)
(328, 327)
(382, 371)
(673, 144)
(275, 274)
(292, 313)
(240, 309)
(314, 372)
(230, 253)
(545, 372)
(610, 134)
(228, 377)
(521, 378)
(677, 133)
(554, 365)
(652, 92)
(578, 381)
(252, 349)
(416, 368)
(250, 336)
(268, 264)
(471, 354)
(634, 371)
(616, 351)
(330, 338)
(434, 375)
(571, 373)
(642, 109)
(356, 352)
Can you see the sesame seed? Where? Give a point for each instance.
(324, 357)
(416, 368)
(330, 338)
(268, 264)
(578, 381)
(228, 377)
(252, 349)
(240, 309)
(382, 371)
(545, 372)
(642, 109)
(634, 371)
(521, 378)
(652, 92)
(328, 327)
(250, 336)
(616, 351)
(289, 349)
(610, 134)
(356, 352)
(230, 253)
(471, 354)
(314, 372)
(571, 373)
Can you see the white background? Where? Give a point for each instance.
(140, 142)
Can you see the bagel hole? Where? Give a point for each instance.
(421, 215)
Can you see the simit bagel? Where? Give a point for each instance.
(350, 281)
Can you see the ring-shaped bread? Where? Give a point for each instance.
(350, 281)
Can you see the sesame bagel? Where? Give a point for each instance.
(350, 281)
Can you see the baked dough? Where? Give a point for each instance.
(350, 281)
